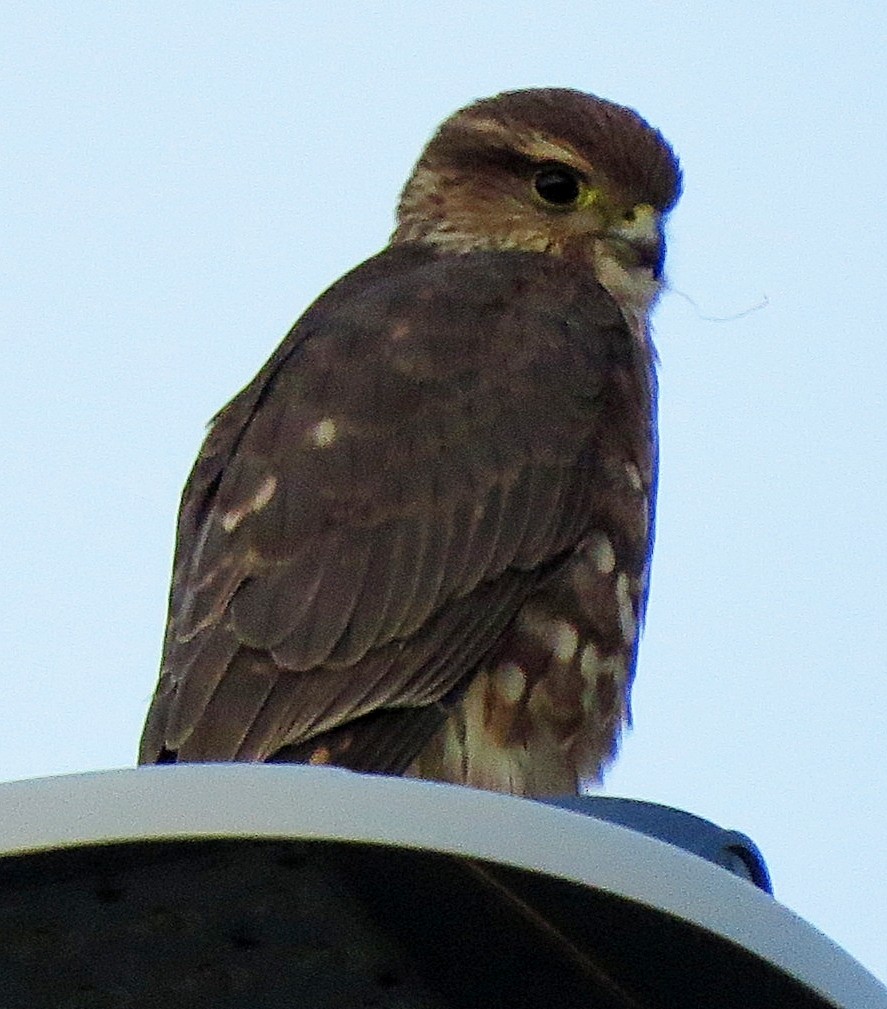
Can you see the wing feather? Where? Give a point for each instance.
(384, 741)
(268, 606)
(413, 546)
(305, 704)
(381, 583)
(515, 518)
(324, 623)
(245, 686)
(466, 523)
(425, 594)
(367, 517)
(539, 540)
(184, 692)
(485, 538)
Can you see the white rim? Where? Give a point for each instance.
(286, 801)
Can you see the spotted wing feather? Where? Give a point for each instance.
(366, 519)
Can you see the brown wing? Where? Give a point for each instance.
(366, 518)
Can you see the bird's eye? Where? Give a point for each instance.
(558, 186)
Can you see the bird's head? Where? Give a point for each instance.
(549, 170)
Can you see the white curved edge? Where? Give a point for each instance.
(258, 801)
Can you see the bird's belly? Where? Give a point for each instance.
(534, 735)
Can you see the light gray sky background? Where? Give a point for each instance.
(179, 181)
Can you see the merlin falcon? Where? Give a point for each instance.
(418, 542)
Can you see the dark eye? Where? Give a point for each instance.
(558, 186)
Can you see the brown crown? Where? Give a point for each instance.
(614, 139)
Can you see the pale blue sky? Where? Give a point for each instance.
(180, 180)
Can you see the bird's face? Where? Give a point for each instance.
(501, 175)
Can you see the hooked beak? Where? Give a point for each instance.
(637, 241)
